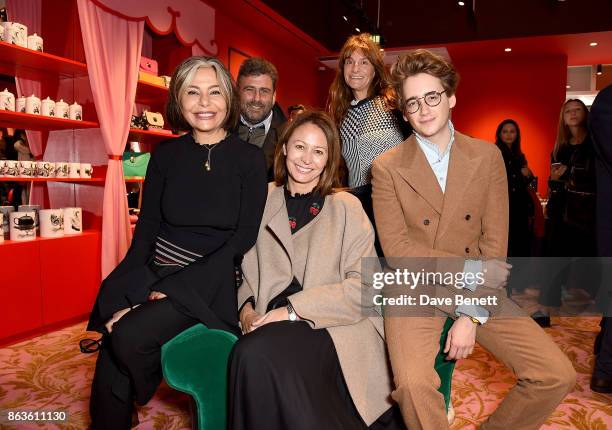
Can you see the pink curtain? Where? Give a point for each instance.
(112, 50)
(28, 13)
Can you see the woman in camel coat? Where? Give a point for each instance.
(314, 354)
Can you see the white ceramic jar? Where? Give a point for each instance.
(7, 100)
(48, 107)
(61, 109)
(35, 42)
(32, 105)
(76, 112)
(20, 104)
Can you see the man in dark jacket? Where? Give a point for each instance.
(261, 121)
(601, 130)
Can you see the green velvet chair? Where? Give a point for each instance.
(195, 362)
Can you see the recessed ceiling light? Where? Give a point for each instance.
(344, 17)
(593, 44)
(508, 49)
(357, 29)
(568, 86)
(461, 3)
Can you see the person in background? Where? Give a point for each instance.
(20, 143)
(313, 355)
(508, 140)
(601, 130)
(362, 103)
(4, 144)
(570, 225)
(261, 121)
(203, 200)
(295, 110)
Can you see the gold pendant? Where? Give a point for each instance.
(207, 166)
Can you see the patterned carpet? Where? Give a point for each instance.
(49, 373)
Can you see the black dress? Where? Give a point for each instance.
(521, 205)
(194, 226)
(570, 224)
(286, 375)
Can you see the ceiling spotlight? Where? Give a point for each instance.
(508, 49)
(568, 86)
(344, 17)
(599, 71)
(461, 3)
(357, 30)
(593, 44)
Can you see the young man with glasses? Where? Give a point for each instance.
(443, 195)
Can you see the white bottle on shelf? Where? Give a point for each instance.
(35, 42)
(76, 111)
(20, 104)
(47, 107)
(7, 100)
(32, 105)
(61, 109)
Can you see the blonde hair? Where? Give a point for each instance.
(563, 132)
(183, 76)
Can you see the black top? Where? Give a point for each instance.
(302, 208)
(215, 213)
(518, 195)
(580, 162)
(572, 196)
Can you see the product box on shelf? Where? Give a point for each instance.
(151, 79)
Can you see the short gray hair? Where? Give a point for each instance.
(183, 76)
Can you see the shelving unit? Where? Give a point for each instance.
(51, 280)
(42, 123)
(147, 93)
(149, 136)
(26, 179)
(15, 60)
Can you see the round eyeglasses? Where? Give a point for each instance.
(432, 99)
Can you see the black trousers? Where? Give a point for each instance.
(603, 346)
(286, 375)
(129, 363)
(364, 194)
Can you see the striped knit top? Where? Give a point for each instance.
(368, 129)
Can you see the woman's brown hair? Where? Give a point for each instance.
(340, 94)
(329, 177)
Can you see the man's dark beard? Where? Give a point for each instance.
(252, 120)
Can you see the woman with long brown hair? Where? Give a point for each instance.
(362, 103)
(570, 227)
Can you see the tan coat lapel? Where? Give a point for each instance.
(417, 172)
(461, 170)
(279, 223)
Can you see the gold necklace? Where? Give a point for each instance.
(209, 148)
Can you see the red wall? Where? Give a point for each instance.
(254, 30)
(528, 90)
